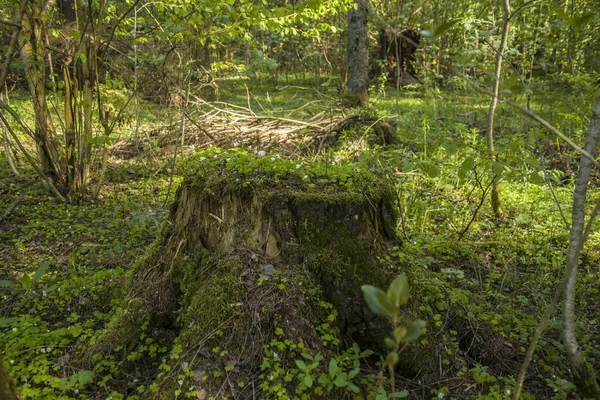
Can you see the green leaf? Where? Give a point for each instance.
(432, 171)
(341, 380)
(26, 282)
(445, 27)
(399, 292)
(400, 333)
(7, 284)
(366, 353)
(536, 179)
(308, 381)
(7, 322)
(451, 147)
(389, 343)
(400, 395)
(301, 365)
(75, 35)
(413, 330)
(41, 271)
(468, 164)
(81, 56)
(378, 301)
(579, 22)
(332, 367)
(85, 376)
(352, 387)
(391, 359)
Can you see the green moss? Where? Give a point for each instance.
(120, 330)
(355, 100)
(212, 308)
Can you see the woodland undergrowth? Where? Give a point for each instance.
(484, 283)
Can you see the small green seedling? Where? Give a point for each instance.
(388, 305)
(27, 281)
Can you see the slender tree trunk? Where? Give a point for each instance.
(33, 53)
(358, 56)
(494, 103)
(84, 22)
(70, 131)
(7, 146)
(583, 373)
(13, 42)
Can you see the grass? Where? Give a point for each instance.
(483, 289)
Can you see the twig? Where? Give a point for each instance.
(481, 201)
(549, 183)
(13, 205)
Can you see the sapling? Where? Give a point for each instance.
(388, 305)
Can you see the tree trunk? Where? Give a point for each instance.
(494, 103)
(33, 53)
(87, 70)
(583, 373)
(358, 57)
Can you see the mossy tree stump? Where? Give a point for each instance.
(254, 244)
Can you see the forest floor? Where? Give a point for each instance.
(488, 280)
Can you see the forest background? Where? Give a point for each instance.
(480, 117)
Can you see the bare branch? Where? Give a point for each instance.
(13, 42)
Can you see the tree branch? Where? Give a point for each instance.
(13, 42)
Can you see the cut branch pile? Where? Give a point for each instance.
(238, 126)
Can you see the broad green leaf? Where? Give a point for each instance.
(308, 381)
(366, 353)
(400, 333)
(332, 367)
(8, 322)
(75, 35)
(6, 283)
(399, 292)
(26, 282)
(378, 301)
(451, 147)
(536, 179)
(400, 395)
(84, 377)
(41, 271)
(445, 27)
(515, 85)
(301, 365)
(579, 22)
(352, 387)
(341, 380)
(432, 171)
(389, 343)
(413, 330)
(468, 164)
(391, 359)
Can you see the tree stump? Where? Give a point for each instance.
(246, 253)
